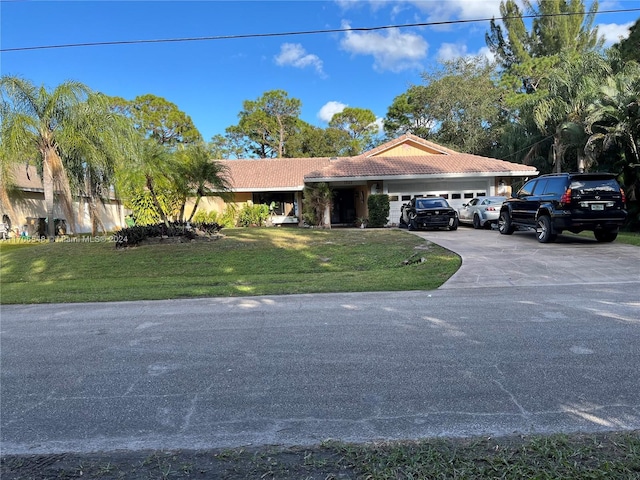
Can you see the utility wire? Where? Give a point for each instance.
(308, 32)
(526, 148)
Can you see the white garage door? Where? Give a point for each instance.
(456, 193)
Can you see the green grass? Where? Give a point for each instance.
(604, 456)
(631, 238)
(254, 261)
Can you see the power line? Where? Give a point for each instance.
(308, 32)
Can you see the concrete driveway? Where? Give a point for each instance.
(493, 260)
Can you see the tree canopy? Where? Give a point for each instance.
(267, 123)
(459, 106)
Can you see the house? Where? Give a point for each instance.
(27, 211)
(403, 168)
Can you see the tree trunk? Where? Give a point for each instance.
(156, 202)
(47, 183)
(195, 207)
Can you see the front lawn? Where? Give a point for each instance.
(251, 261)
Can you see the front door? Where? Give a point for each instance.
(343, 209)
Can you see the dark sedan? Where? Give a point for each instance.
(428, 212)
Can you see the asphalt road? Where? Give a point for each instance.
(524, 338)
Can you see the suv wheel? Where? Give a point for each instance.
(543, 229)
(605, 235)
(504, 223)
(476, 221)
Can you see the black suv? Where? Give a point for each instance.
(575, 202)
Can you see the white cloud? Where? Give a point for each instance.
(613, 32)
(394, 51)
(458, 9)
(329, 109)
(295, 55)
(437, 10)
(451, 51)
(380, 124)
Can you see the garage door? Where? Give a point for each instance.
(456, 194)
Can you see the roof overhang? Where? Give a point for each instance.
(299, 188)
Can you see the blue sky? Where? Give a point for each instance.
(209, 80)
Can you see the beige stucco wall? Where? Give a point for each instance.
(407, 150)
(29, 206)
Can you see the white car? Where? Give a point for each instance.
(481, 212)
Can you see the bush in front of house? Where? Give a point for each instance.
(378, 210)
(253, 215)
(132, 236)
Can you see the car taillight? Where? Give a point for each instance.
(624, 197)
(566, 196)
(491, 209)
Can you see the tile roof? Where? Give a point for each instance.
(458, 163)
(272, 174)
(290, 173)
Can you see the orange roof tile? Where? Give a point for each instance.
(271, 174)
(458, 163)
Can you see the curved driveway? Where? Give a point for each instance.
(493, 260)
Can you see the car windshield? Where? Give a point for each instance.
(590, 186)
(428, 203)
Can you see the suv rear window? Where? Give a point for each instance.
(585, 186)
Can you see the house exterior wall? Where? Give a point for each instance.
(29, 207)
(407, 150)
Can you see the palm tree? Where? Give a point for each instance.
(200, 176)
(613, 125)
(149, 170)
(572, 87)
(54, 129)
(614, 118)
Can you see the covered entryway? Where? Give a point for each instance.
(343, 206)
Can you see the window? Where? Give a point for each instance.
(468, 195)
(393, 198)
(455, 196)
(481, 194)
(428, 203)
(283, 203)
(527, 189)
(539, 188)
(596, 185)
(555, 186)
(406, 198)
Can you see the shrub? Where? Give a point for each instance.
(132, 236)
(378, 210)
(316, 198)
(229, 217)
(253, 214)
(205, 217)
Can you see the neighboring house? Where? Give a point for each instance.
(403, 168)
(27, 211)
